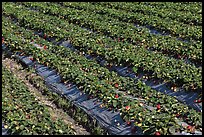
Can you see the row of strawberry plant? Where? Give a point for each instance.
(129, 108)
(158, 43)
(187, 17)
(99, 9)
(174, 27)
(22, 114)
(194, 8)
(97, 48)
(66, 105)
(124, 84)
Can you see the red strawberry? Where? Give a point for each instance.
(128, 123)
(31, 59)
(45, 36)
(158, 106)
(116, 96)
(189, 127)
(177, 115)
(116, 85)
(127, 107)
(157, 133)
(45, 47)
(197, 101)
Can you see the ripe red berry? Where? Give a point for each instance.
(177, 115)
(45, 47)
(157, 133)
(45, 36)
(128, 123)
(116, 85)
(158, 106)
(116, 96)
(31, 59)
(189, 127)
(197, 101)
(127, 107)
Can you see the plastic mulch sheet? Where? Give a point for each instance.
(53, 78)
(185, 97)
(45, 72)
(4, 131)
(104, 117)
(24, 59)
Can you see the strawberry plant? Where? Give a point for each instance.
(23, 114)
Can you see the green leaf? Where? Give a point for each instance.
(172, 130)
(115, 103)
(22, 127)
(134, 69)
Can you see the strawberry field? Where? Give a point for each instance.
(122, 68)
